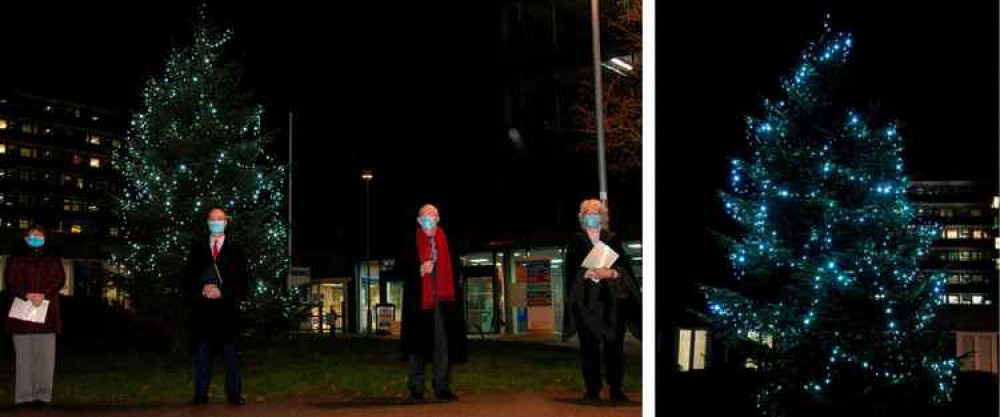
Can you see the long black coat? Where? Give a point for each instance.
(600, 306)
(219, 319)
(417, 329)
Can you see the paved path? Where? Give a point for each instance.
(493, 405)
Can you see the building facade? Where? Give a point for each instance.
(56, 171)
(967, 253)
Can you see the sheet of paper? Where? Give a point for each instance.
(22, 309)
(601, 256)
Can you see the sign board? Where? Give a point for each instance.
(537, 274)
(385, 314)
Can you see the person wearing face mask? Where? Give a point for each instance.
(433, 328)
(36, 276)
(600, 303)
(216, 280)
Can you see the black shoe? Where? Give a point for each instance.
(446, 396)
(416, 397)
(200, 401)
(592, 397)
(39, 405)
(618, 396)
(237, 401)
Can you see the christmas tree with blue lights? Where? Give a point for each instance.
(828, 302)
(197, 143)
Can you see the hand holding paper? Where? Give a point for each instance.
(600, 257)
(22, 309)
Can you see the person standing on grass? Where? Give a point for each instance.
(216, 279)
(599, 303)
(433, 328)
(34, 276)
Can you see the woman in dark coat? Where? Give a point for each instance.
(425, 317)
(216, 279)
(34, 276)
(600, 303)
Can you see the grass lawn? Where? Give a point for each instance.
(345, 368)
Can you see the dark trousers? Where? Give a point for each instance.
(590, 357)
(203, 370)
(442, 368)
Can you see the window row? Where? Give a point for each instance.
(34, 129)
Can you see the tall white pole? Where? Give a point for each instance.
(598, 99)
(289, 191)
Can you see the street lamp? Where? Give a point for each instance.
(366, 176)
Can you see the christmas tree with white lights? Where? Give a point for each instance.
(197, 143)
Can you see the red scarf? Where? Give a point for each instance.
(445, 286)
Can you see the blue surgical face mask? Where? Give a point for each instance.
(591, 221)
(217, 227)
(35, 241)
(427, 222)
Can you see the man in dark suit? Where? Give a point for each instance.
(216, 278)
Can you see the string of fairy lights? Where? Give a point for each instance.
(194, 145)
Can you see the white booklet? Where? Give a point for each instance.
(601, 256)
(22, 309)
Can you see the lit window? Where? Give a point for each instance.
(764, 339)
(116, 143)
(76, 113)
(24, 224)
(979, 234)
(28, 153)
(48, 108)
(113, 231)
(3, 148)
(93, 208)
(79, 183)
(3, 124)
(93, 139)
(950, 233)
(691, 349)
(952, 298)
(48, 131)
(95, 163)
(76, 229)
(976, 213)
(28, 128)
(977, 299)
